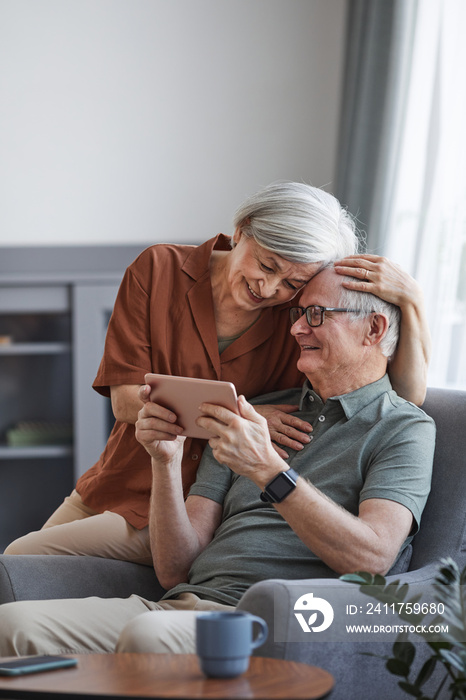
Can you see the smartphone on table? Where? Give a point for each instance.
(184, 395)
(34, 664)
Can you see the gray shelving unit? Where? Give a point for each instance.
(54, 309)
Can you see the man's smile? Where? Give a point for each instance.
(309, 347)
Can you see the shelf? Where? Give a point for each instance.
(55, 303)
(35, 451)
(35, 348)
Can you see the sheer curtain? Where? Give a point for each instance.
(426, 231)
(415, 212)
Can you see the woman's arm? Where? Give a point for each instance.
(387, 280)
(285, 429)
(126, 401)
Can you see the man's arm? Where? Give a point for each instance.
(178, 531)
(346, 543)
(369, 541)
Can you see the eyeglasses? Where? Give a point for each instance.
(315, 315)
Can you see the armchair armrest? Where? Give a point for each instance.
(357, 673)
(39, 577)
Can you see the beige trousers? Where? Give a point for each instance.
(98, 625)
(76, 529)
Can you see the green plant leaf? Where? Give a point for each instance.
(436, 646)
(402, 591)
(453, 659)
(415, 598)
(426, 671)
(449, 648)
(398, 667)
(448, 572)
(410, 689)
(458, 688)
(404, 651)
(376, 656)
(361, 577)
(454, 637)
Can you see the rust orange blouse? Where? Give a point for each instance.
(163, 321)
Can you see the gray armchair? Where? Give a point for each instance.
(356, 675)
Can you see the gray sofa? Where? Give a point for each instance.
(356, 675)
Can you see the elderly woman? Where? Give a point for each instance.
(219, 311)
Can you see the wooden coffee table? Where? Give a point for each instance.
(167, 676)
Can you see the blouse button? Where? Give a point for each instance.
(321, 418)
(195, 456)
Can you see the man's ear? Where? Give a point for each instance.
(377, 328)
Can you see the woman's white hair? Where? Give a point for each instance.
(365, 304)
(299, 222)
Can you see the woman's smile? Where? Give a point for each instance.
(256, 298)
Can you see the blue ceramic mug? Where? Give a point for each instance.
(224, 642)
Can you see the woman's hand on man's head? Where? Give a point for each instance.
(380, 276)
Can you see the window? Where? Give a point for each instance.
(427, 223)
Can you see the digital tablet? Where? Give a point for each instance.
(184, 395)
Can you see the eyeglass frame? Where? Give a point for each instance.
(323, 309)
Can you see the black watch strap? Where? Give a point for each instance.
(280, 487)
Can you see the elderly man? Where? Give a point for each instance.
(350, 500)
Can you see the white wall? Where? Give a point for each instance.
(151, 120)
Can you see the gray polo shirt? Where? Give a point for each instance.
(366, 444)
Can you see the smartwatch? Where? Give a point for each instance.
(280, 487)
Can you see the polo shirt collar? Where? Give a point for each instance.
(353, 402)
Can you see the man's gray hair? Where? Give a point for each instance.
(365, 304)
(299, 222)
